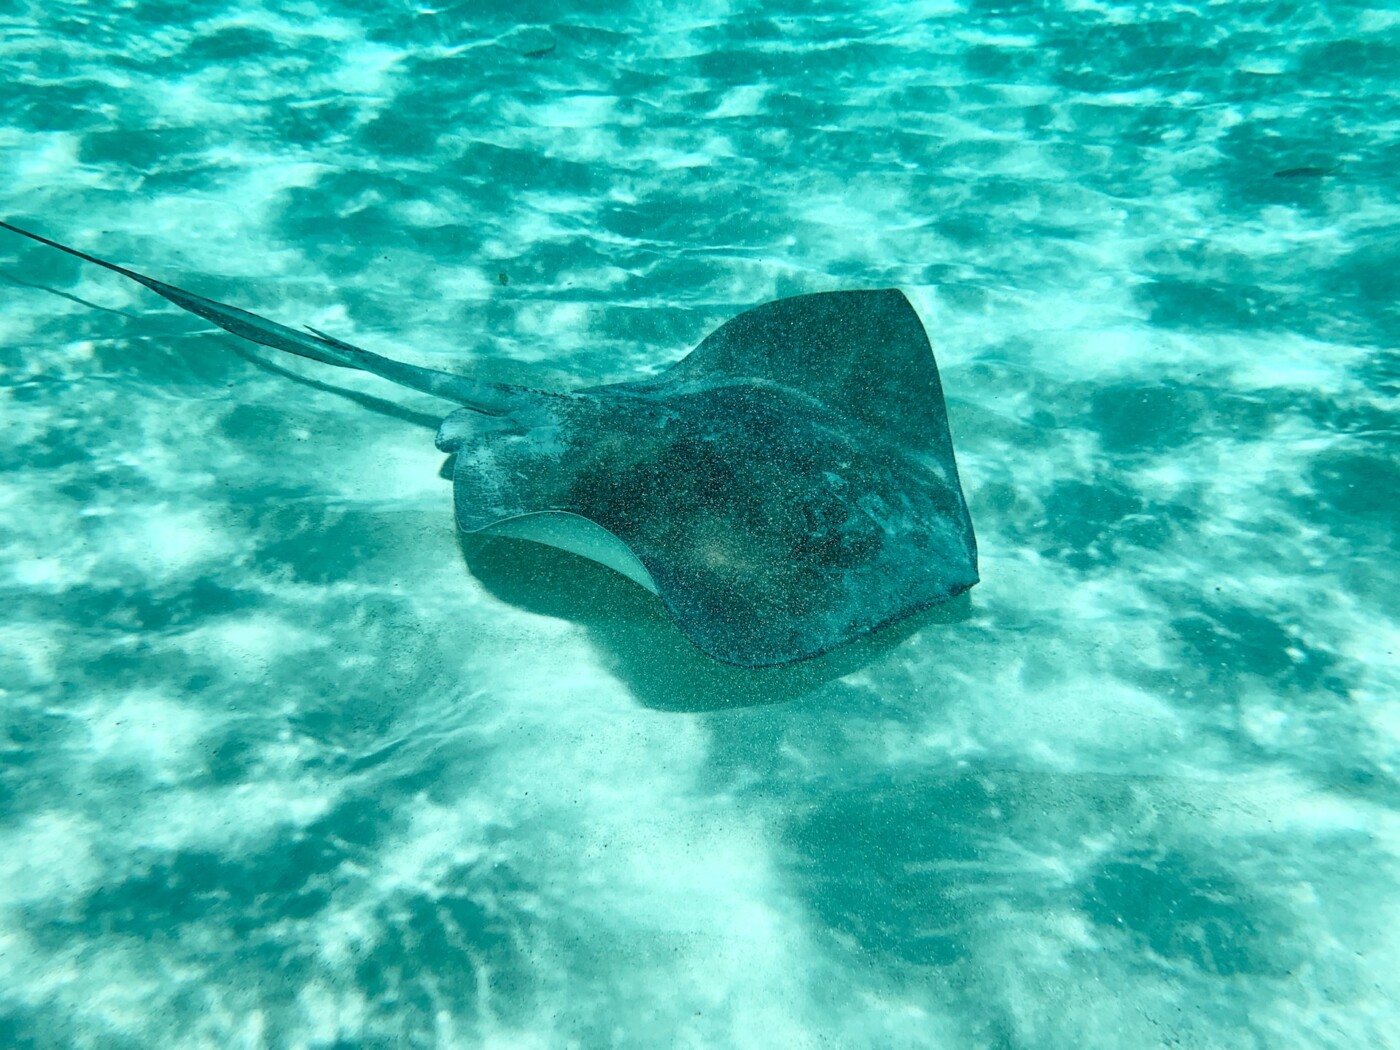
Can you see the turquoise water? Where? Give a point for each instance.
(288, 764)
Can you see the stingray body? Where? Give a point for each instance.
(785, 488)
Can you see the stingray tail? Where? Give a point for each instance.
(490, 398)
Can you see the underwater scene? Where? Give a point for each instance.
(287, 760)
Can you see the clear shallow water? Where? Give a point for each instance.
(286, 764)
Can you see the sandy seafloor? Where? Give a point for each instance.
(287, 764)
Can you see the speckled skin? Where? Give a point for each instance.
(789, 486)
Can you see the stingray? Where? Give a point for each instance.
(785, 488)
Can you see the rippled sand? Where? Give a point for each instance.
(288, 764)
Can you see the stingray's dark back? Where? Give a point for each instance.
(779, 515)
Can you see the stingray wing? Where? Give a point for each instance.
(860, 363)
(864, 354)
(775, 530)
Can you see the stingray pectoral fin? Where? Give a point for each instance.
(490, 398)
(577, 535)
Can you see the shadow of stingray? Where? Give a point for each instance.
(643, 645)
(67, 295)
(369, 401)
